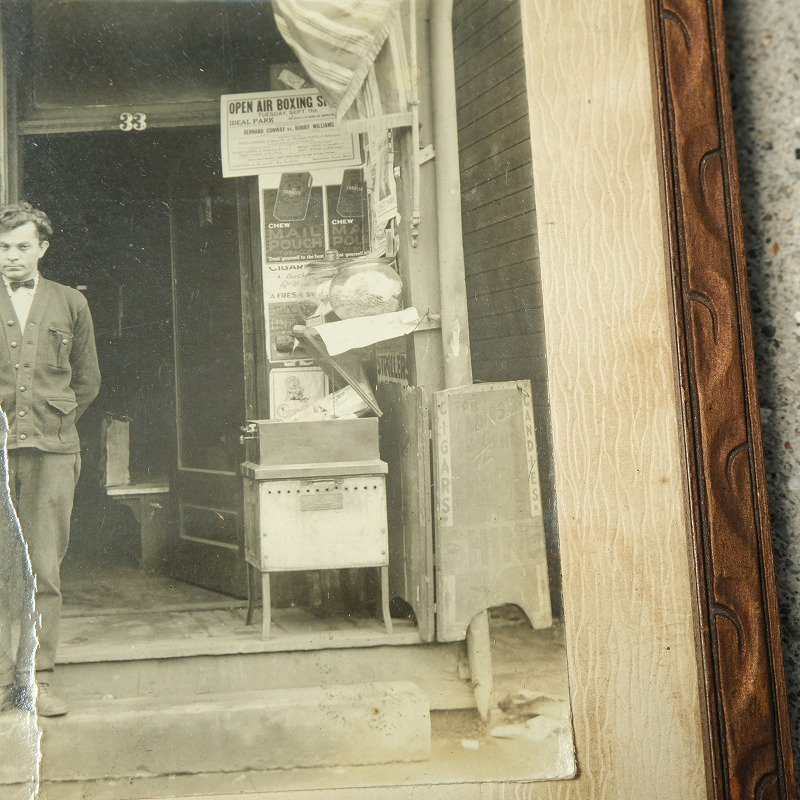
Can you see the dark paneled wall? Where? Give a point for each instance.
(498, 216)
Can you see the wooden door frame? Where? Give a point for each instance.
(243, 216)
(10, 160)
(253, 316)
(239, 217)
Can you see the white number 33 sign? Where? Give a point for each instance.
(132, 122)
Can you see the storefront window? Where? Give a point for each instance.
(87, 53)
(208, 330)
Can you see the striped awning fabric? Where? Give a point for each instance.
(354, 52)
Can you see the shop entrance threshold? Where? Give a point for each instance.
(130, 615)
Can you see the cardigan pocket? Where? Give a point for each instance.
(64, 405)
(64, 408)
(59, 349)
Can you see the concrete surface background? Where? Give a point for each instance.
(764, 59)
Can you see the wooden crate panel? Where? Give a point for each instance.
(317, 442)
(490, 540)
(405, 446)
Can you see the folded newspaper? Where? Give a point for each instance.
(350, 334)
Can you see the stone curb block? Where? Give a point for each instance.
(373, 723)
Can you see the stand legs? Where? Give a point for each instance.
(266, 602)
(252, 592)
(387, 616)
(266, 622)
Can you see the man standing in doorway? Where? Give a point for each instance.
(48, 376)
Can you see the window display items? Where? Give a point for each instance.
(365, 287)
(313, 284)
(293, 389)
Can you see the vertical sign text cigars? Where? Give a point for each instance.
(444, 495)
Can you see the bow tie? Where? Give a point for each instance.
(28, 284)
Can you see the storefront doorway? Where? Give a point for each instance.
(163, 248)
(149, 232)
(147, 228)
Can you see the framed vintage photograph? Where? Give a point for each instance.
(379, 405)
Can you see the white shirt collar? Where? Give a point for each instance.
(35, 276)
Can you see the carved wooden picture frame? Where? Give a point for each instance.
(750, 751)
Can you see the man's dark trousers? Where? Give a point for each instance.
(42, 488)
(48, 376)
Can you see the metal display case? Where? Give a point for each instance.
(315, 499)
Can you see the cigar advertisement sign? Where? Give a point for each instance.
(294, 220)
(303, 214)
(348, 215)
(286, 130)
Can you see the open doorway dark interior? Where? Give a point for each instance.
(107, 195)
(142, 227)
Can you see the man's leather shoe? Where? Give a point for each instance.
(48, 703)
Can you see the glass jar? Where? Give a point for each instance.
(364, 287)
(313, 282)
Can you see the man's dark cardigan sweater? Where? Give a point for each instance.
(49, 372)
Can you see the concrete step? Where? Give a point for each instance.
(19, 742)
(361, 724)
(438, 669)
